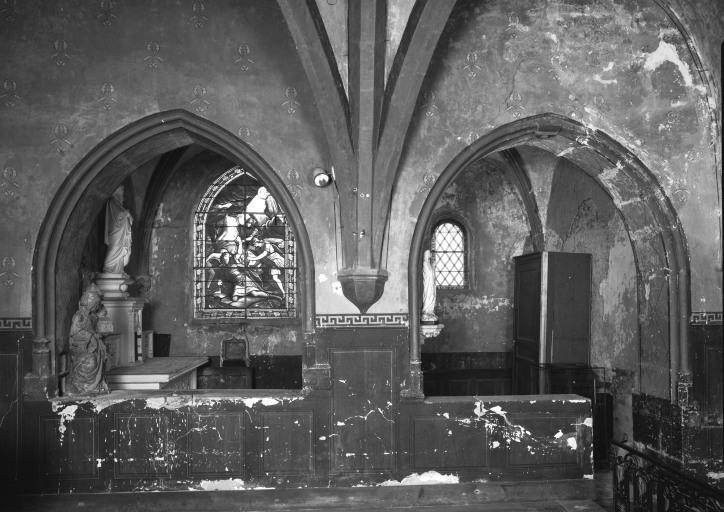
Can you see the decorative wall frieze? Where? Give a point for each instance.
(367, 320)
(706, 318)
(15, 323)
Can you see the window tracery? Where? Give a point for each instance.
(449, 255)
(244, 252)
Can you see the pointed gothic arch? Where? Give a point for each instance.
(92, 181)
(654, 229)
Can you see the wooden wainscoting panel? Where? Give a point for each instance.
(141, 445)
(68, 449)
(287, 443)
(550, 445)
(438, 442)
(362, 410)
(216, 444)
(9, 415)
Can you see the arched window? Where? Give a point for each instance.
(244, 252)
(449, 255)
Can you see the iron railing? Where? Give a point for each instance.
(641, 484)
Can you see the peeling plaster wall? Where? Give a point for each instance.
(480, 318)
(74, 72)
(620, 67)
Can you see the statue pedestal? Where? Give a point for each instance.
(126, 314)
(430, 330)
(113, 286)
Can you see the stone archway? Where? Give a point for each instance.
(654, 230)
(92, 181)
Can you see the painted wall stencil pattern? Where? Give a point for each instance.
(429, 105)
(243, 59)
(14, 324)
(106, 15)
(368, 320)
(294, 184)
(291, 104)
(9, 187)
(8, 276)
(428, 180)
(10, 96)
(471, 67)
(152, 59)
(107, 99)
(198, 17)
(60, 56)
(246, 134)
(60, 138)
(199, 103)
(8, 10)
(706, 318)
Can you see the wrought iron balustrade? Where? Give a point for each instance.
(641, 483)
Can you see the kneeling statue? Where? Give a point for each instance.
(87, 350)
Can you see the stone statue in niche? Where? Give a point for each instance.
(429, 290)
(118, 234)
(87, 350)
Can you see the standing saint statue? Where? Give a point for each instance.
(429, 290)
(87, 350)
(118, 234)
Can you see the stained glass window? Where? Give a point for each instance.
(244, 252)
(448, 254)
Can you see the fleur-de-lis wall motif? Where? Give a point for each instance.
(514, 104)
(198, 19)
(8, 274)
(294, 185)
(244, 60)
(9, 10)
(60, 53)
(428, 180)
(429, 106)
(291, 104)
(245, 134)
(9, 187)
(106, 15)
(108, 96)
(152, 59)
(199, 104)
(60, 140)
(9, 97)
(471, 67)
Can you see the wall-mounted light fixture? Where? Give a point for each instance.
(322, 178)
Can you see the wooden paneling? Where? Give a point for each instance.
(438, 442)
(9, 414)
(568, 335)
(287, 444)
(547, 441)
(362, 422)
(141, 445)
(68, 450)
(215, 444)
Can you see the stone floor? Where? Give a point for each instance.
(546, 496)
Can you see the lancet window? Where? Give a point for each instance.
(244, 252)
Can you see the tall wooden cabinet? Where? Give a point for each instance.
(552, 316)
